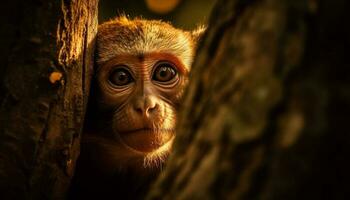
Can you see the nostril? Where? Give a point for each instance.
(152, 109)
(139, 110)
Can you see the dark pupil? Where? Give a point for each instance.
(164, 73)
(120, 77)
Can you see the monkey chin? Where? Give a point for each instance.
(147, 149)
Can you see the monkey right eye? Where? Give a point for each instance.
(120, 77)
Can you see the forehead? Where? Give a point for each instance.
(138, 37)
(146, 61)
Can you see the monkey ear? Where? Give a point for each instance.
(198, 33)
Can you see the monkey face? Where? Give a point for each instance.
(142, 93)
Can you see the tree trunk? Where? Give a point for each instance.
(47, 59)
(266, 112)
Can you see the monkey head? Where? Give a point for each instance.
(141, 72)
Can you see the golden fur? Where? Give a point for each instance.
(139, 36)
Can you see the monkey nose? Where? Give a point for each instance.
(145, 107)
(147, 111)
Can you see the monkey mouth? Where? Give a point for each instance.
(145, 139)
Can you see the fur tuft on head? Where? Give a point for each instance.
(198, 33)
(139, 36)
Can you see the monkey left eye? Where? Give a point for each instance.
(164, 72)
(120, 77)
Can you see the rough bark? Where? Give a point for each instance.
(265, 115)
(46, 69)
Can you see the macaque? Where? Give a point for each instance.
(141, 72)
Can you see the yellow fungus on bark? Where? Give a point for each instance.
(55, 76)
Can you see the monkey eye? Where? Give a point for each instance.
(164, 72)
(120, 77)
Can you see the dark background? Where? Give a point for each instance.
(187, 14)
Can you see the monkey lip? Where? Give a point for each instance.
(145, 139)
